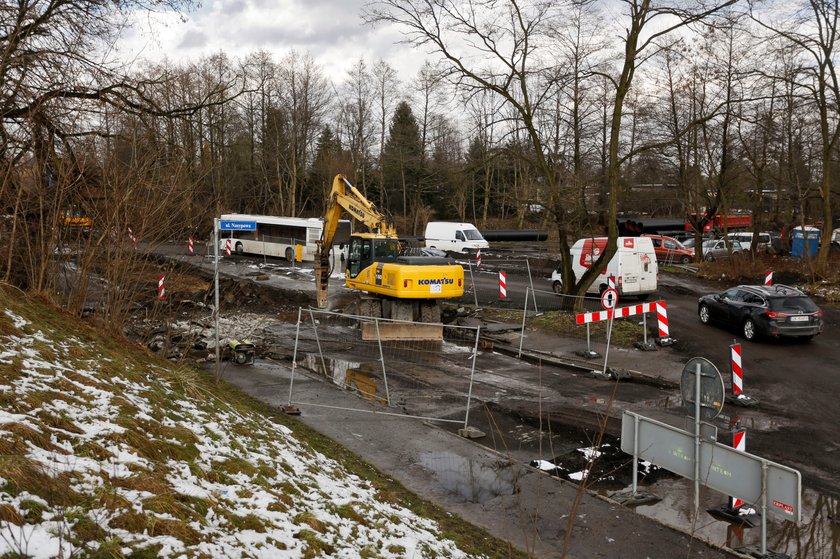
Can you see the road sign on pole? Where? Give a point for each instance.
(609, 298)
(226, 225)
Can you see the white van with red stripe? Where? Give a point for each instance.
(633, 266)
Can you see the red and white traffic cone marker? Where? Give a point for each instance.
(502, 285)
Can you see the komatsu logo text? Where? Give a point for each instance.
(441, 281)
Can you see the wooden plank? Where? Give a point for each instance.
(402, 331)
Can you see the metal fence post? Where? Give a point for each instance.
(472, 375)
(524, 314)
(294, 357)
(382, 361)
(318, 342)
(534, 293)
(472, 281)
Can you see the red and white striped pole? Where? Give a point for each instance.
(611, 282)
(738, 397)
(737, 372)
(478, 258)
(132, 237)
(502, 285)
(768, 277)
(161, 289)
(190, 246)
(739, 443)
(664, 338)
(227, 247)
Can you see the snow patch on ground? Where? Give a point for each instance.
(258, 487)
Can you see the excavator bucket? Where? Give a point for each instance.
(322, 278)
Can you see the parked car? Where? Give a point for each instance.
(759, 310)
(716, 249)
(765, 240)
(668, 249)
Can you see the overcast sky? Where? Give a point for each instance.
(332, 31)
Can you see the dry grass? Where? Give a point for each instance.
(89, 348)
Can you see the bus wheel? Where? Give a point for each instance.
(239, 249)
(290, 254)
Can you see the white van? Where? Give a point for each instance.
(765, 243)
(457, 237)
(633, 266)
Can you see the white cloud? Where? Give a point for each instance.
(332, 31)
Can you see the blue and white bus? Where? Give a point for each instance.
(292, 238)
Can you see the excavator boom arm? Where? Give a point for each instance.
(344, 196)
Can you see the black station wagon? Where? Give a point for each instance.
(758, 310)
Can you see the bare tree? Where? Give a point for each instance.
(304, 98)
(386, 85)
(501, 47)
(356, 116)
(813, 30)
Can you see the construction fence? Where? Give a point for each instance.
(431, 379)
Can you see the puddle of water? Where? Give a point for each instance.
(472, 481)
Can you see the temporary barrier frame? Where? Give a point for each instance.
(385, 369)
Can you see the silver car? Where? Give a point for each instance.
(715, 249)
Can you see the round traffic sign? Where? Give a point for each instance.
(712, 390)
(609, 298)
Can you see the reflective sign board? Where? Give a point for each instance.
(722, 468)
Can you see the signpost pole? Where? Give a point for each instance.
(216, 295)
(697, 375)
(609, 300)
(609, 334)
(635, 454)
(763, 508)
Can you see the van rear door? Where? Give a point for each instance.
(637, 265)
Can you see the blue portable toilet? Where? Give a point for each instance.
(806, 240)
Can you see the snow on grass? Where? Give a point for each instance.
(107, 454)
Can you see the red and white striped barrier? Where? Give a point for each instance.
(132, 237)
(227, 247)
(658, 307)
(739, 443)
(161, 289)
(190, 246)
(611, 282)
(478, 258)
(768, 278)
(502, 285)
(737, 373)
(620, 312)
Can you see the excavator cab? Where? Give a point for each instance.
(367, 249)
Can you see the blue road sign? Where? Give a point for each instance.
(238, 225)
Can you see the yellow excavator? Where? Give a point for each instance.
(406, 288)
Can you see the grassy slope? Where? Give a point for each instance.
(112, 452)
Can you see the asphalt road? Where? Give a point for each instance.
(797, 383)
